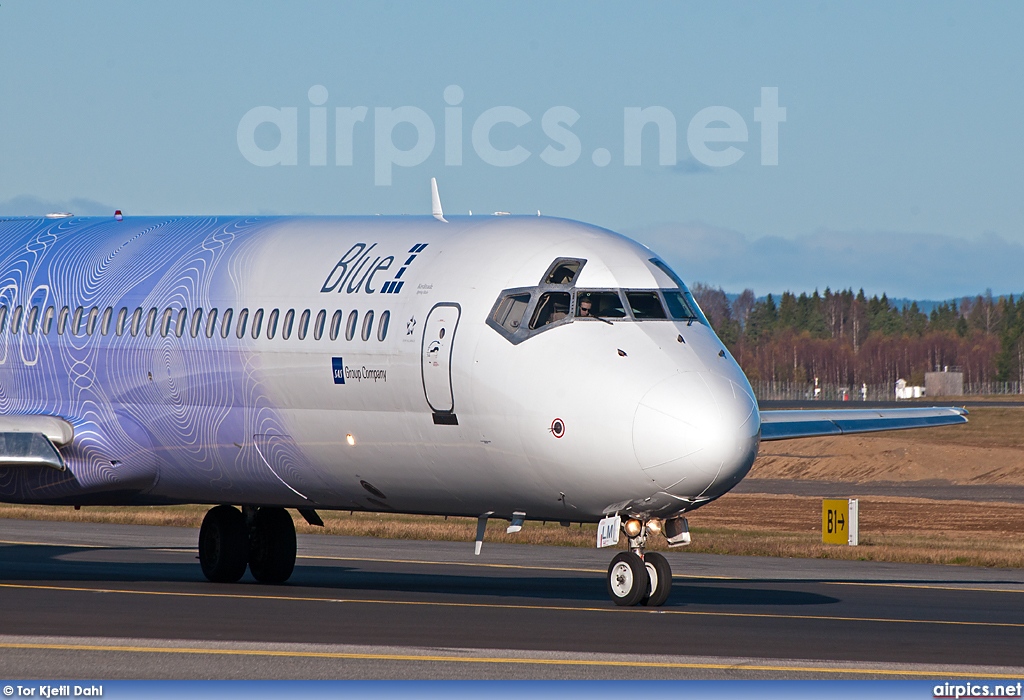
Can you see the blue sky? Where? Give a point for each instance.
(900, 160)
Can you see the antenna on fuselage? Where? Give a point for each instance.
(435, 201)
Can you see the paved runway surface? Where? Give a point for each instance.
(111, 601)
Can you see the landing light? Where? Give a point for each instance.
(654, 526)
(633, 527)
(350, 440)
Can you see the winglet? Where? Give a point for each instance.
(435, 201)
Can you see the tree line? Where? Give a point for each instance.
(846, 338)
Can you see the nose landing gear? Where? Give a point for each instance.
(637, 577)
(628, 581)
(659, 575)
(262, 538)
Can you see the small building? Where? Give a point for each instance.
(906, 391)
(944, 383)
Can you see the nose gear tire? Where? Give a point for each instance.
(627, 579)
(659, 574)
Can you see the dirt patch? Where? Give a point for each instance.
(987, 450)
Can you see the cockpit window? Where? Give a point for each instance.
(645, 305)
(599, 305)
(523, 312)
(563, 271)
(510, 311)
(677, 306)
(684, 307)
(552, 307)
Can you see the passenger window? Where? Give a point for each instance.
(211, 323)
(286, 325)
(563, 272)
(510, 311)
(122, 321)
(367, 325)
(350, 327)
(197, 323)
(599, 305)
(645, 305)
(243, 317)
(136, 324)
(166, 321)
(225, 322)
(47, 320)
(3, 317)
(240, 333)
(318, 326)
(336, 324)
(303, 324)
(552, 307)
(382, 329)
(16, 319)
(151, 322)
(257, 324)
(179, 327)
(677, 305)
(33, 316)
(90, 326)
(62, 320)
(272, 324)
(76, 322)
(105, 322)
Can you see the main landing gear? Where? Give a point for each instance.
(261, 538)
(637, 577)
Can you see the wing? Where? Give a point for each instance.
(32, 441)
(785, 425)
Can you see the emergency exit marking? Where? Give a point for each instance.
(839, 522)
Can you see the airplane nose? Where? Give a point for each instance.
(696, 434)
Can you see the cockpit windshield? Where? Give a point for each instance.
(556, 302)
(677, 306)
(645, 305)
(681, 305)
(552, 307)
(599, 304)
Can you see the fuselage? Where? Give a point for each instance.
(375, 363)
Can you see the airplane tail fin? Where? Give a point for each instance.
(435, 201)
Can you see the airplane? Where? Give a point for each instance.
(511, 367)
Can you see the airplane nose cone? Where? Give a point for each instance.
(696, 433)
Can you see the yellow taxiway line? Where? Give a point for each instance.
(533, 661)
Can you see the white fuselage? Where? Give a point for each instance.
(438, 412)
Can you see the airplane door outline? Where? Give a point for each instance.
(436, 356)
